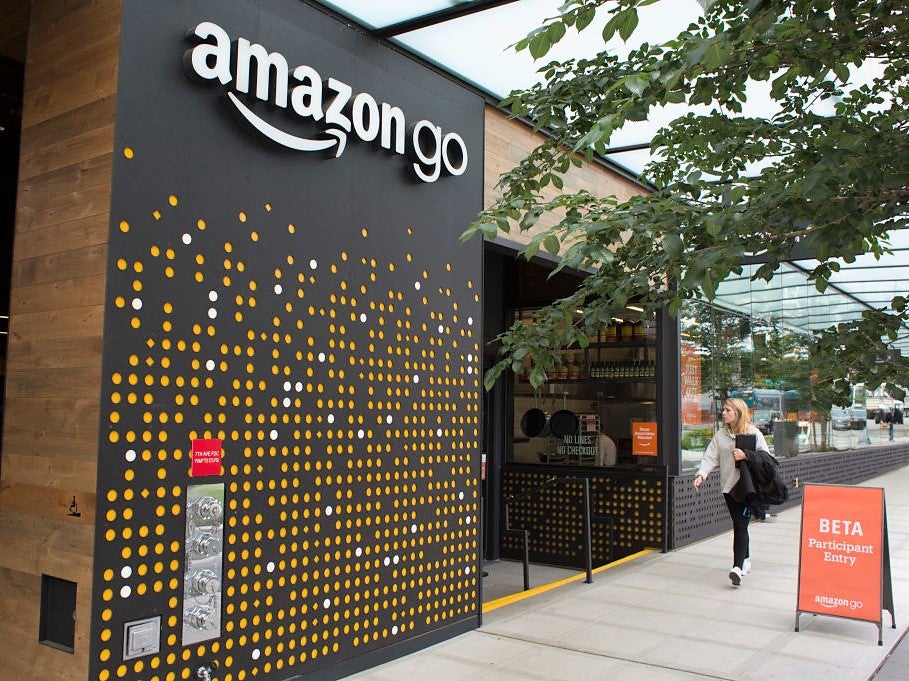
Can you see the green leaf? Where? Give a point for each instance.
(551, 244)
(672, 245)
(628, 23)
(584, 17)
(708, 285)
(539, 45)
(555, 32)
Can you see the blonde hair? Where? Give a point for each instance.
(743, 415)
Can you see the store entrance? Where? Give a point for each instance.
(508, 284)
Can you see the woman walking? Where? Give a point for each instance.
(722, 452)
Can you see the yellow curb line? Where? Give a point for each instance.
(514, 598)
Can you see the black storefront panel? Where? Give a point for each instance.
(285, 291)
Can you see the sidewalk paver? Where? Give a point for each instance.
(675, 617)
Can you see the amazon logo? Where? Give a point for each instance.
(250, 72)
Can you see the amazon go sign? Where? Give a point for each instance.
(250, 72)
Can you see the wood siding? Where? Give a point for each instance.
(508, 141)
(50, 436)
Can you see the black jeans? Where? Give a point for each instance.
(741, 516)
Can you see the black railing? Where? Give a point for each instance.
(524, 533)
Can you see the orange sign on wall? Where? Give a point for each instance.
(691, 385)
(644, 438)
(844, 560)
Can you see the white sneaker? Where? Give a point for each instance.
(735, 576)
(746, 566)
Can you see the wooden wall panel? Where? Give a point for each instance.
(508, 141)
(48, 469)
(13, 29)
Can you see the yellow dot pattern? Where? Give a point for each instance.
(627, 516)
(345, 387)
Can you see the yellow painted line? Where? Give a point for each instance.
(521, 595)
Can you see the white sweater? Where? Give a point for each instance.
(719, 452)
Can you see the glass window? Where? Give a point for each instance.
(753, 342)
(593, 403)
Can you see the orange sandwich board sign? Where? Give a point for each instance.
(844, 555)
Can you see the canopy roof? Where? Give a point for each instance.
(472, 39)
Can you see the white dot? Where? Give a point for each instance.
(330, 418)
(212, 296)
(413, 528)
(137, 303)
(467, 570)
(125, 592)
(256, 654)
(130, 455)
(388, 419)
(298, 386)
(363, 317)
(286, 401)
(321, 356)
(270, 567)
(387, 561)
(126, 572)
(416, 379)
(212, 313)
(361, 433)
(394, 629)
(469, 370)
(313, 264)
(416, 286)
(273, 435)
(287, 385)
(441, 329)
(470, 321)
(358, 552)
(210, 365)
(187, 239)
(438, 432)
(329, 510)
(467, 520)
(326, 603)
(469, 358)
(461, 496)
(396, 559)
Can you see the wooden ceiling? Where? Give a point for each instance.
(13, 29)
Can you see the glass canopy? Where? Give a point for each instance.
(472, 39)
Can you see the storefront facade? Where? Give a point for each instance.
(245, 430)
(252, 342)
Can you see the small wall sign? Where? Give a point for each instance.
(644, 438)
(206, 457)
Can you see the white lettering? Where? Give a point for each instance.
(251, 66)
(334, 115)
(393, 117)
(265, 63)
(306, 98)
(422, 131)
(365, 114)
(198, 61)
(836, 526)
(455, 163)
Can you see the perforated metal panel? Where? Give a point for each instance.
(317, 316)
(696, 515)
(627, 512)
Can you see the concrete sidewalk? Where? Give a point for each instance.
(675, 617)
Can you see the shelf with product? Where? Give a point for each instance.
(622, 352)
(611, 382)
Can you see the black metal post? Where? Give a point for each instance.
(588, 550)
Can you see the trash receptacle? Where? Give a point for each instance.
(785, 438)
